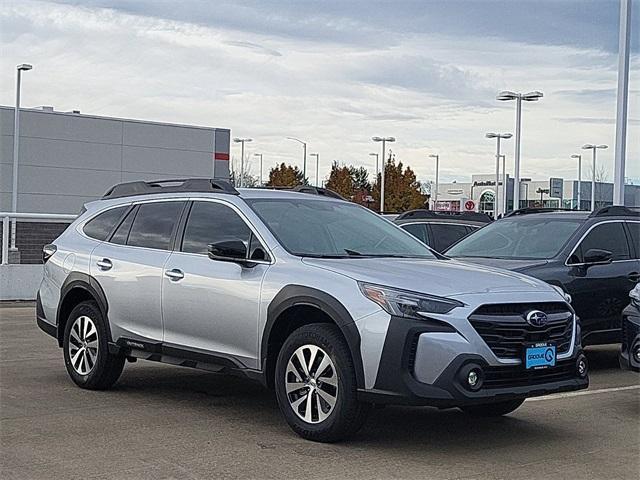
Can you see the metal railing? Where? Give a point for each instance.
(8, 237)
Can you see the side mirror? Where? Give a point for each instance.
(598, 256)
(228, 251)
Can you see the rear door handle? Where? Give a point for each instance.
(174, 274)
(634, 277)
(104, 264)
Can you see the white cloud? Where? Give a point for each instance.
(434, 92)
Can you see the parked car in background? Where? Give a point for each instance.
(595, 257)
(440, 230)
(321, 299)
(630, 351)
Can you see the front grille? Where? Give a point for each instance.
(516, 376)
(504, 329)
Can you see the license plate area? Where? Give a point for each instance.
(540, 355)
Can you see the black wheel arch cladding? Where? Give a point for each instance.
(82, 281)
(298, 295)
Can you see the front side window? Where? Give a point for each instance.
(100, 226)
(606, 236)
(154, 224)
(526, 237)
(212, 222)
(445, 235)
(320, 228)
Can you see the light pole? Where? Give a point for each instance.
(504, 185)
(384, 141)
(317, 155)
(242, 141)
(593, 148)
(377, 167)
(304, 156)
(259, 155)
(519, 98)
(23, 67)
(579, 157)
(498, 137)
(623, 96)
(435, 193)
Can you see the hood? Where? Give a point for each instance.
(437, 277)
(506, 263)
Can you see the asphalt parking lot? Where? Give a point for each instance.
(163, 422)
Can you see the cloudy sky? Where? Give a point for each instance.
(334, 73)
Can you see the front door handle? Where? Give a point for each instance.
(104, 264)
(174, 274)
(634, 277)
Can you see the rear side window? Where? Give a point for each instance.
(154, 225)
(100, 226)
(606, 236)
(121, 234)
(211, 222)
(634, 228)
(418, 230)
(444, 235)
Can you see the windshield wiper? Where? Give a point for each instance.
(353, 253)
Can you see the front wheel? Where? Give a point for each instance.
(496, 409)
(316, 384)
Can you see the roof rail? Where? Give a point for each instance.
(310, 190)
(530, 210)
(616, 211)
(423, 213)
(170, 186)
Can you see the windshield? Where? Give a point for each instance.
(517, 238)
(318, 228)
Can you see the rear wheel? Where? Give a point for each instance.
(496, 409)
(316, 385)
(86, 351)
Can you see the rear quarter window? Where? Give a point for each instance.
(100, 226)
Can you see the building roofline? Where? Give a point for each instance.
(117, 119)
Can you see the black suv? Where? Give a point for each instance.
(595, 257)
(440, 230)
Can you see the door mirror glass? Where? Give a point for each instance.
(228, 251)
(597, 255)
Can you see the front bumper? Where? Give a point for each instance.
(419, 372)
(630, 340)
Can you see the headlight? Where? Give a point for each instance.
(560, 290)
(635, 297)
(403, 303)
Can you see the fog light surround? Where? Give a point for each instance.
(471, 377)
(582, 366)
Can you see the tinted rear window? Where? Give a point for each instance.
(154, 224)
(102, 225)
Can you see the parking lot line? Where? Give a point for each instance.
(584, 392)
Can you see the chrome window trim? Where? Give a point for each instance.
(579, 242)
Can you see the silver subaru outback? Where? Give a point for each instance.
(326, 302)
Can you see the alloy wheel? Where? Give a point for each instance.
(311, 383)
(83, 345)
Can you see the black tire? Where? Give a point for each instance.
(106, 369)
(348, 414)
(496, 409)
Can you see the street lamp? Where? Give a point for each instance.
(23, 67)
(579, 157)
(259, 155)
(304, 155)
(519, 98)
(317, 155)
(377, 167)
(435, 193)
(498, 137)
(504, 184)
(242, 141)
(384, 141)
(593, 148)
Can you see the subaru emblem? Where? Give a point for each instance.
(536, 318)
